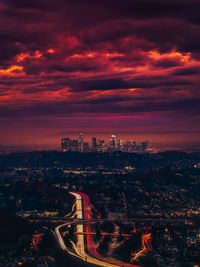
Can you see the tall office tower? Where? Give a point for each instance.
(94, 144)
(74, 146)
(113, 143)
(65, 144)
(129, 146)
(101, 146)
(126, 147)
(81, 143)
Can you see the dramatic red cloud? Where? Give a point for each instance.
(99, 67)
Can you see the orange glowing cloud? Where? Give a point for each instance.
(95, 54)
(12, 70)
(182, 57)
(24, 56)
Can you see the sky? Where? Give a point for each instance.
(101, 67)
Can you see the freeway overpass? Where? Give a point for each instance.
(102, 220)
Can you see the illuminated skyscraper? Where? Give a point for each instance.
(113, 143)
(65, 144)
(101, 146)
(68, 144)
(74, 145)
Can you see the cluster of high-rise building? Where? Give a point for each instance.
(75, 145)
(99, 145)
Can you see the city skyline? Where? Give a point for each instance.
(46, 143)
(99, 66)
(113, 144)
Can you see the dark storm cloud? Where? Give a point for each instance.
(188, 71)
(137, 8)
(102, 84)
(117, 104)
(120, 83)
(167, 63)
(38, 22)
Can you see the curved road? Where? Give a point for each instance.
(86, 243)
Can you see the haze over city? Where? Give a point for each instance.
(100, 67)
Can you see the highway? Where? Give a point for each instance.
(82, 211)
(91, 246)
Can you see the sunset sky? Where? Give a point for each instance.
(128, 67)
